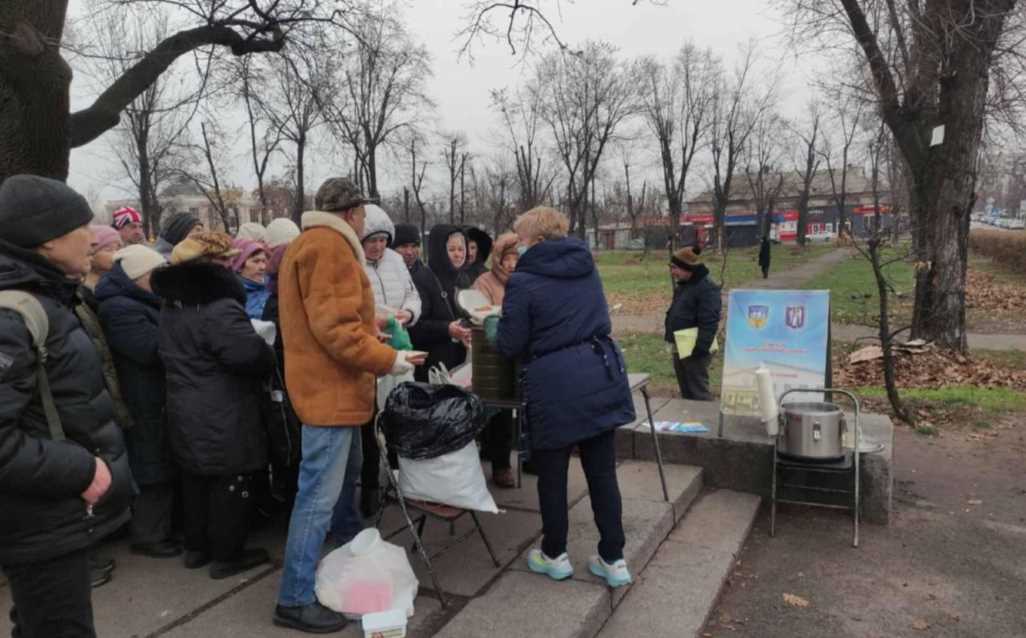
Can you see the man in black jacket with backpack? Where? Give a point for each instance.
(64, 476)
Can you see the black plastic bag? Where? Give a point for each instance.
(423, 421)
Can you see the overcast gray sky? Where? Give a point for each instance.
(461, 88)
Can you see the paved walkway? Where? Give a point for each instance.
(795, 278)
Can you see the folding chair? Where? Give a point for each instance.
(422, 511)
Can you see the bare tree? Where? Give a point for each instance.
(265, 135)
(584, 99)
(418, 168)
(736, 110)
(676, 104)
(149, 140)
(930, 65)
(455, 156)
(288, 99)
(807, 163)
(37, 129)
(382, 78)
(763, 167)
(521, 116)
(207, 174)
(847, 115)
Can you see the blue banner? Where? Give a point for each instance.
(786, 330)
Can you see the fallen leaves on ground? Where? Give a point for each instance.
(926, 367)
(983, 293)
(795, 601)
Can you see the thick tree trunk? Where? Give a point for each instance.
(297, 205)
(34, 90)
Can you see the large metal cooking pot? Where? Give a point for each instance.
(812, 430)
(495, 376)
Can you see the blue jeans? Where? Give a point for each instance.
(327, 454)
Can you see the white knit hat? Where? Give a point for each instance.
(281, 230)
(137, 260)
(252, 230)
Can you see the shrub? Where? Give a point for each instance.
(1005, 248)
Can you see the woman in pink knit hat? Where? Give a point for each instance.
(106, 242)
(251, 266)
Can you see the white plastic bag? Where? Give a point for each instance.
(452, 479)
(366, 575)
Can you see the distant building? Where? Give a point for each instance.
(742, 223)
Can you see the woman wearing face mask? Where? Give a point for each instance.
(499, 433)
(108, 242)
(251, 267)
(556, 322)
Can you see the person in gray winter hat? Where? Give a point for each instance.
(66, 479)
(176, 229)
(35, 210)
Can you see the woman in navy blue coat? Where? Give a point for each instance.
(556, 322)
(130, 315)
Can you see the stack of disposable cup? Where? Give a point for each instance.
(767, 399)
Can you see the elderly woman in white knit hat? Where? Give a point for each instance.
(130, 313)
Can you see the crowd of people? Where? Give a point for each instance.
(184, 385)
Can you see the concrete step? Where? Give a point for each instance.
(676, 592)
(521, 603)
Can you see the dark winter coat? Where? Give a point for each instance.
(484, 249)
(284, 429)
(215, 365)
(42, 514)
(764, 254)
(131, 317)
(556, 321)
(431, 332)
(696, 304)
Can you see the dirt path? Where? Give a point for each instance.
(951, 564)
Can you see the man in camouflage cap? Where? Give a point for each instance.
(338, 194)
(332, 357)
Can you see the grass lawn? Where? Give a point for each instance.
(647, 353)
(852, 287)
(641, 281)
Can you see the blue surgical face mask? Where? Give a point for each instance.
(521, 249)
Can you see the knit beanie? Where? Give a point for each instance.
(178, 226)
(247, 248)
(137, 260)
(125, 216)
(252, 230)
(281, 231)
(406, 234)
(34, 210)
(105, 236)
(687, 258)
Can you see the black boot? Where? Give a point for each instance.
(314, 618)
(160, 549)
(370, 502)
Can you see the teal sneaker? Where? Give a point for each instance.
(615, 575)
(558, 568)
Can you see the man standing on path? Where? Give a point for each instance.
(764, 256)
(332, 356)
